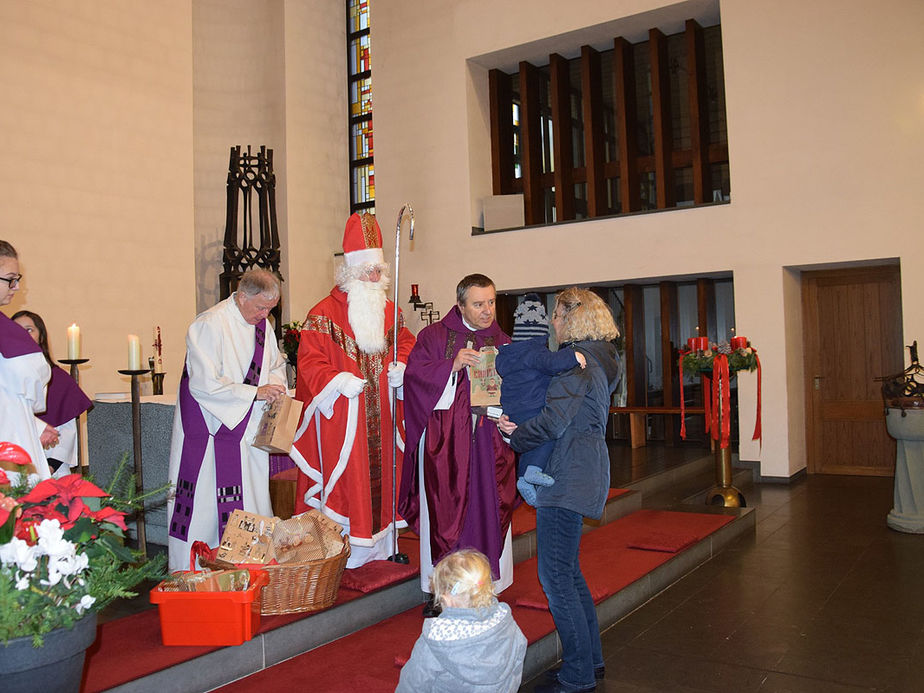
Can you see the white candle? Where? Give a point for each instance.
(73, 342)
(134, 353)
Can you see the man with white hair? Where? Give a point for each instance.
(232, 364)
(346, 372)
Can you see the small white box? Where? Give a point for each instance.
(503, 212)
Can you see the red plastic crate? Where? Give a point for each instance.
(210, 618)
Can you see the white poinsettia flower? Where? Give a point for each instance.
(22, 583)
(86, 601)
(19, 553)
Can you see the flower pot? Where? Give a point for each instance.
(56, 667)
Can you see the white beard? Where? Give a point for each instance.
(366, 313)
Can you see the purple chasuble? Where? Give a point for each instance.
(65, 400)
(470, 475)
(227, 447)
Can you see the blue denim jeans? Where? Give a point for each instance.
(558, 539)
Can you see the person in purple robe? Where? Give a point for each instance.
(64, 401)
(458, 481)
(24, 373)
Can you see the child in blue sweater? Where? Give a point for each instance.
(526, 366)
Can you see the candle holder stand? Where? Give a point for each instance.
(136, 444)
(723, 493)
(75, 374)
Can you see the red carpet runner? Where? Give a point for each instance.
(369, 660)
(612, 557)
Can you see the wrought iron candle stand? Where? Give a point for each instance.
(75, 374)
(136, 445)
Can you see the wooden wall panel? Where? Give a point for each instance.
(592, 107)
(501, 96)
(530, 144)
(661, 113)
(624, 78)
(699, 117)
(562, 143)
(636, 371)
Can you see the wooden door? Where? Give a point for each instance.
(852, 335)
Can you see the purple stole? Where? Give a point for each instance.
(65, 400)
(229, 490)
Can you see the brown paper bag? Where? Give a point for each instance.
(278, 425)
(248, 538)
(485, 382)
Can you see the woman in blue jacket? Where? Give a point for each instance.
(575, 415)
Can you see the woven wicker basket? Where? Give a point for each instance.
(296, 586)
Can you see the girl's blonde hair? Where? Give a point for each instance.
(466, 575)
(584, 315)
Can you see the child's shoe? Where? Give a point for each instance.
(537, 477)
(527, 490)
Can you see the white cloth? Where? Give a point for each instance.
(65, 449)
(23, 383)
(426, 561)
(219, 347)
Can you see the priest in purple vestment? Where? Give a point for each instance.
(458, 483)
(233, 365)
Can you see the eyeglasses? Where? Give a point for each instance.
(12, 281)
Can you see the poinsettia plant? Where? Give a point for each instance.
(62, 549)
(291, 334)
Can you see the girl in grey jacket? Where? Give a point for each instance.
(474, 644)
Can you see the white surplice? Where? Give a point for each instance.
(219, 348)
(23, 383)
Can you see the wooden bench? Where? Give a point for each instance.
(638, 429)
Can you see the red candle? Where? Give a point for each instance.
(701, 343)
(739, 342)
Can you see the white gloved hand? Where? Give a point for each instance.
(396, 374)
(351, 386)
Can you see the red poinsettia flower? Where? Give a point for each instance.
(64, 489)
(10, 452)
(112, 515)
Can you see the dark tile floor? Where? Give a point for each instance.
(823, 597)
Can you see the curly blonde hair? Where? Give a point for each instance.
(466, 575)
(584, 315)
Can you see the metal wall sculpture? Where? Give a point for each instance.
(251, 193)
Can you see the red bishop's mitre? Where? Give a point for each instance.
(362, 241)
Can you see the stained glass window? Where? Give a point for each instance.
(359, 66)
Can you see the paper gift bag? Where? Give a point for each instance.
(278, 425)
(248, 538)
(485, 382)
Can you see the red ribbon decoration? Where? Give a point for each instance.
(757, 430)
(721, 400)
(683, 418)
(712, 405)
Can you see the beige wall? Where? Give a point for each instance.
(96, 134)
(118, 116)
(825, 108)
